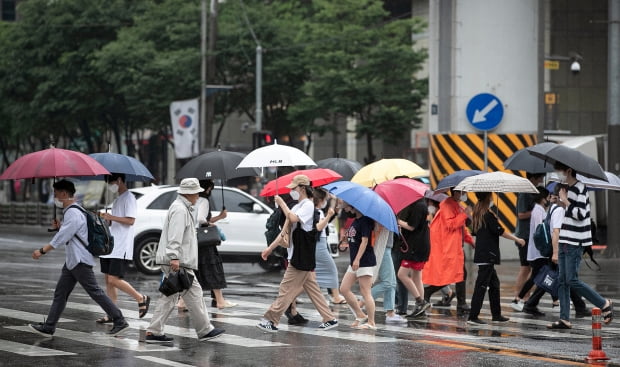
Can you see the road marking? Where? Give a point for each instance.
(26, 316)
(31, 350)
(101, 339)
(164, 361)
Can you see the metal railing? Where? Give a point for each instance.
(26, 214)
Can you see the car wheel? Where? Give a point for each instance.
(273, 263)
(145, 252)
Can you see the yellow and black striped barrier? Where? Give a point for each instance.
(455, 152)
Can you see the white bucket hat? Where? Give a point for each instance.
(190, 186)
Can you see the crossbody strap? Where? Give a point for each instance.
(75, 235)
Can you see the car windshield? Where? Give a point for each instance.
(234, 201)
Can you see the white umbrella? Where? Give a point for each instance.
(276, 155)
(613, 184)
(496, 182)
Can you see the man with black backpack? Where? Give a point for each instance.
(78, 267)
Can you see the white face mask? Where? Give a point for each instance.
(294, 195)
(561, 176)
(113, 188)
(463, 197)
(432, 209)
(491, 204)
(58, 203)
(324, 204)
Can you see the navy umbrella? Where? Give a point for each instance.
(456, 178)
(132, 168)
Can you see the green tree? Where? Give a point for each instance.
(361, 64)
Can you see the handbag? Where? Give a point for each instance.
(304, 249)
(547, 279)
(175, 282)
(208, 236)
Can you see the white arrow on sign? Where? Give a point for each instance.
(480, 115)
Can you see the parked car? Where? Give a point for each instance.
(244, 226)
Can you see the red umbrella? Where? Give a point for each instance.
(317, 176)
(401, 192)
(53, 162)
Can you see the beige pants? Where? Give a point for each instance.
(294, 282)
(194, 302)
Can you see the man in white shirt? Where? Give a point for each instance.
(115, 265)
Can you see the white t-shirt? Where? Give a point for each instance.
(557, 217)
(201, 211)
(537, 217)
(124, 206)
(305, 211)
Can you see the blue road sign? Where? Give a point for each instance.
(485, 111)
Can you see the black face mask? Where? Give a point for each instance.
(351, 214)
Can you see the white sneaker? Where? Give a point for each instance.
(396, 319)
(517, 306)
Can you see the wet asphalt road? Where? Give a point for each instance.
(441, 339)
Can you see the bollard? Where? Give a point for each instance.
(596, 354)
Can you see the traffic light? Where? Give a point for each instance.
(262, 138)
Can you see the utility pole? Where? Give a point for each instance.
(613, 121)
(202, 130)
(211, 69)
(259, 87)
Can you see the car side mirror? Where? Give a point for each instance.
(257, 209)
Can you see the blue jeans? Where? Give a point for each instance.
(386, 282)
(569, 258)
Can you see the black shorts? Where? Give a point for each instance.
(116, 267)
(523, 254)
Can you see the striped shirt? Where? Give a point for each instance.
(576, 228)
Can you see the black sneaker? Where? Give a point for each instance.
(420, 308)
(119, 328)
(463, 308)
(297, 320)
(152, 339)
(476, 321)
(328, 324)
(42, 329)
(534, 311)
(500, 318)
(267, 326)
(212, 334)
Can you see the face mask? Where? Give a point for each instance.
(561, 176)
(294, 195)
(58, 203)
(113, 188)
(463, 197)
(351, 214)
(432, 209)
(491, 204)
(324, 205)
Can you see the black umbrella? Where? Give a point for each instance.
(522, 160)
(345, 167)
(220, 164)
(455, 178)
(570, 157)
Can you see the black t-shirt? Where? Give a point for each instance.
(361, 227)
(418, 240)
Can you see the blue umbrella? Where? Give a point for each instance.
(366, 201)
(456, 178)
(119, 163)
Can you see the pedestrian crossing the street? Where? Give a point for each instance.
(77, 332)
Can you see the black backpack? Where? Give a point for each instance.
(100, 241)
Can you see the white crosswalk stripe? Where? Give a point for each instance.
(165, 362)
(31, 350)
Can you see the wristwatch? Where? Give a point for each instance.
(41, 251)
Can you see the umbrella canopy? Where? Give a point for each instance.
(496, 182)
(53, 162)
(401, 192)
(347, 168)
(570, 157)
(438, 197)
(317, 176)
(366, 201)
(522, 160)
(218, 164)
(612, 183)
(132, 168)
(387, 169)
(455, 178)
(276, 155)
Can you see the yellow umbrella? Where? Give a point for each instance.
(385, 170)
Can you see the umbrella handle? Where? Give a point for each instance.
(403, 249)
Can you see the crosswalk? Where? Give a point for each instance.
(77, 331)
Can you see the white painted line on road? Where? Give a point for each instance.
(26, 316)
(165, 362)
(101, 339)
(31, 350)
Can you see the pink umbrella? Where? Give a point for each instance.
(401, 192)
(317, 176)
(51, 163)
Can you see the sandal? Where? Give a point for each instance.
(608, 312)
(143, 307)
(559, 325)
(359, 321)
(228, 305)
(340, 301)
(104, 320)
(366, 326)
